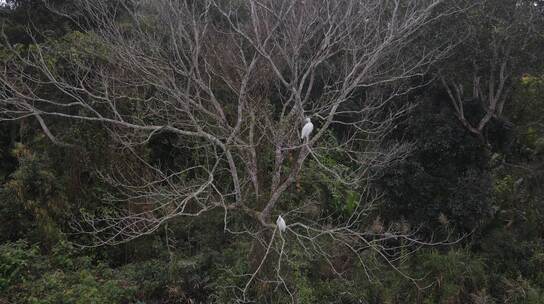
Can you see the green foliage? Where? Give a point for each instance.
(453, 275)
(338, 200)
(14, 263)
(526, 110)
(426, 186)
(24, 16)
(26, 276)
(82, 286)
(176, 278)
(33, 193)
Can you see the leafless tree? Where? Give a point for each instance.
(234, 81)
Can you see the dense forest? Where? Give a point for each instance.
(272, 151)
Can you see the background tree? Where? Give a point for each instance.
(500, 44)
(423, 188)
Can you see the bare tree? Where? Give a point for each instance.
(234, 81)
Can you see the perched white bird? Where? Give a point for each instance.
(281, 224)
(307, 129)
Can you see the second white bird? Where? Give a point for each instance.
(307, 129)
(281, 224)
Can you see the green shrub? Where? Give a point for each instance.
(28, 277)
(15, 263)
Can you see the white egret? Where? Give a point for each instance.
(281, 224)
(307, 129)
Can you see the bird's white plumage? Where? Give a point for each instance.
(281, 224)
(307, 129)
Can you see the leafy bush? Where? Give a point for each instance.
(15, 263)
(28, 277)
